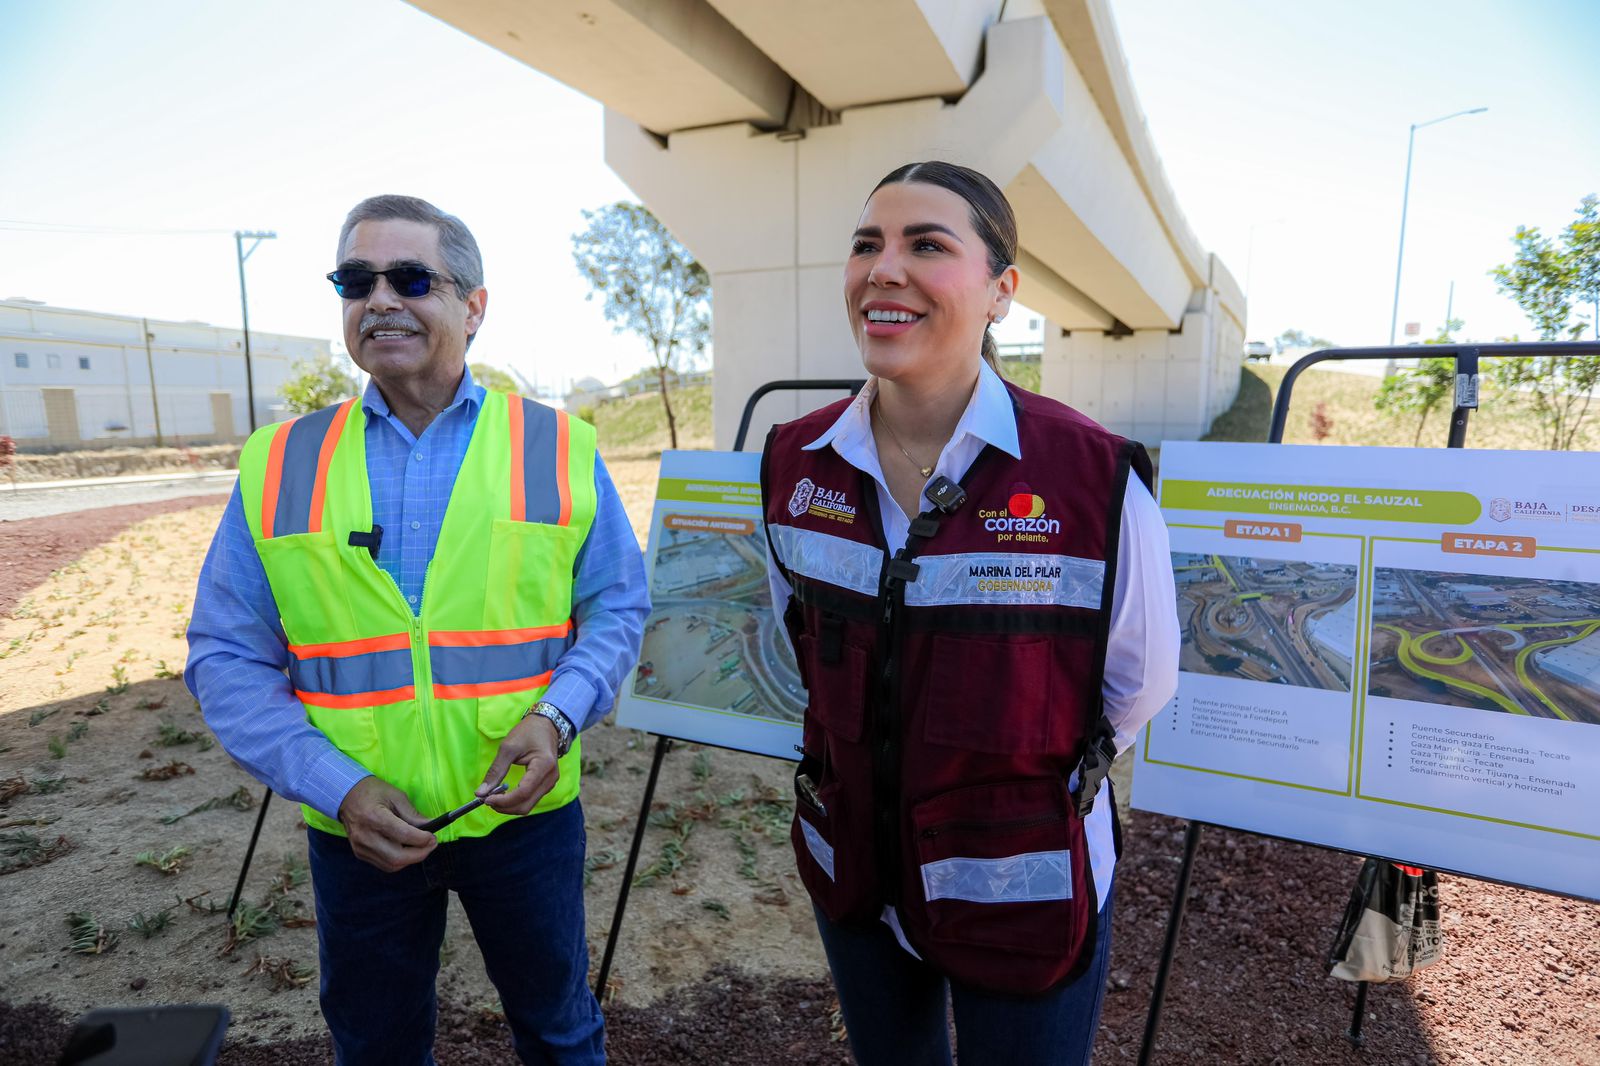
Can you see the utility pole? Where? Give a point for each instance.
(150, 364)
(1405, 203)
(239, 237)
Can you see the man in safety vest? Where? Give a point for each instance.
(411, 598)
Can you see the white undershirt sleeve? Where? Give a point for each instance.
(1141, 672)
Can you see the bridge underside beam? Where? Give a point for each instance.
(666, 64)
(847, 53)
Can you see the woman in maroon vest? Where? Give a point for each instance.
(980, 600)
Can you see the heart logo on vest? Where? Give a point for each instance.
(1023, 519)
(803, 491)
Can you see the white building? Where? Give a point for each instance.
(1335, 632)
(70, 378)
(1577, 663)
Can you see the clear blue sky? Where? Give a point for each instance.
(1282, 128)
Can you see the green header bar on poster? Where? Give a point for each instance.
(691, 490)
(1327, 501)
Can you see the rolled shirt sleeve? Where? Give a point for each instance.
(236, 670)
(610, 602)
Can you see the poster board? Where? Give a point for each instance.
(1390, 651)
(715, 666)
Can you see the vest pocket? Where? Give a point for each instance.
(529, 572)
(1003, 877)
(836, 684)
(836, 869)
(988, 694)
(309, 582)
(499, 715)
(353, 730)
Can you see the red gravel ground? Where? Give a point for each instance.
(30, 548)
(1519, 982)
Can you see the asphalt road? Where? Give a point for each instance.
(57, 497)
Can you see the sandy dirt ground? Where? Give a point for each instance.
(718, 962)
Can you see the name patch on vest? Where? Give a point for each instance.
(1002, 578)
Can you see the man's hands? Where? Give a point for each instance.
(383, 826)
(382, 823)
(531, 744)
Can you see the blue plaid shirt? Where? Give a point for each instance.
(238, 655)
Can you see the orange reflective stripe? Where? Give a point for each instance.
(329, 442)
(564, 489)
(269, 488)
(490, 688)
(340, 648)
(482, 638)
(519, 492)
(357, 699)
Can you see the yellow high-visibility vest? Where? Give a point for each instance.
(424, 701)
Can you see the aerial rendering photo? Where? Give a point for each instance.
(1281, 621)
(712, 640)
(1516, 644)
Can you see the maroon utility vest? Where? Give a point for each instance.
(954, 688)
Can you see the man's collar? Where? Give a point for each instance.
(989, 417)
(468, 391)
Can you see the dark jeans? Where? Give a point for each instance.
(895, 1006)
(379, 936)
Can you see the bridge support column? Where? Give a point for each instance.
(770, 214)
(1151, 384)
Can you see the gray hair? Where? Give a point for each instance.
(456, 243)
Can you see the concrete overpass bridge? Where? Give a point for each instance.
(755, 128)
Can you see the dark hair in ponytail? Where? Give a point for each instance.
(989, 211)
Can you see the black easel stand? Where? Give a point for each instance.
(249, 853)
(1466, 401)
(664, 743)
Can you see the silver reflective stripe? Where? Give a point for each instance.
(824, 557)
(1027, 878)
(820, 849)
(1006, 578)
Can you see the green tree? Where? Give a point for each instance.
(1583, 244)
(493, 378)
(1419, 389)
(317, 383)
(652, 286)
(1545, 277)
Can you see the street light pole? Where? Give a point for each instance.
(1405, 203)
(256, 237)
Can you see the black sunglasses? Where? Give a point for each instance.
(410, 282)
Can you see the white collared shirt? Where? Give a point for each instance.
(1141, 671)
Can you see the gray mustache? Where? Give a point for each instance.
(375, 321)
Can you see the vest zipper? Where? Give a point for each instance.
(424, 671)
(422, 686)
(422, 675)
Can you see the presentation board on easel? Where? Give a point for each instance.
(1388, 651)
(715, 666)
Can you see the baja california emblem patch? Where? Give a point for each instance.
(803, 491)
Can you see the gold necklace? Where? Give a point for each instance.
(925, 471)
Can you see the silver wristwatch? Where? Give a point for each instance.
(565, 731)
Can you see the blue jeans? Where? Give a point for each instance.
(895, 1006)
(379, 936)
